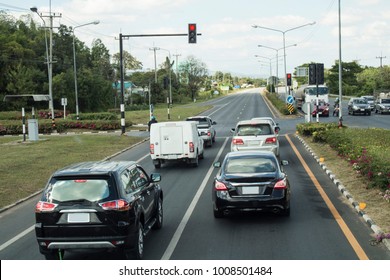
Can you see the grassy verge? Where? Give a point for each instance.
(25, 167)
(356, 157)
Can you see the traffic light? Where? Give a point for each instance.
(192, 33)
(320, 73)
(312, 74)
(288, 79)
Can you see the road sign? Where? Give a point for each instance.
(290, 99)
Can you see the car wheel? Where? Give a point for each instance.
(286, 212)
(218, 213)
(195, 162)
(210, 143)
(139, 243)
(54, 255)
(158, 165)
(159, 215)
(369, 113)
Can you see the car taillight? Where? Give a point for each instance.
(152, 149)
(270, 140)
(43, 206)
(117, 205)
(219, 186)
(238, 141)
(192, 147)
(282, 184)
(208, 133)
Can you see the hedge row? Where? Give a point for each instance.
(61, 126)
(365, 149)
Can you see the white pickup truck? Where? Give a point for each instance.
(205, 128)
(175, 141)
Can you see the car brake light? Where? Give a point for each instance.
(282, 184)
(219, 186)
(192, 147)
(208, 133)
(152, 149)
(118, 205)
(43, 206)
(238, 141)
(80, 181)
(270, 140)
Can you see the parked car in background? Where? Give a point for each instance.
(358, 106)
(382, 105)
(104, 205)
(323, 109)
(255, 135)
(370, 100)
(206, 128)
(251, 181)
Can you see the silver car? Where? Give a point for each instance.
(256, 134)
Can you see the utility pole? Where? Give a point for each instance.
(155, 63)
(381, 58)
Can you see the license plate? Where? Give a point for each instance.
(253, 143)
(362, 110)
(78, 218)
(250, 190)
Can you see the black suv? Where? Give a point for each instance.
(98, 205)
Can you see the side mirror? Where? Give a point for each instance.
(284, 162)
(217, 164)
(277, 129)
(155, 177)
(214, 122)
(233, 130)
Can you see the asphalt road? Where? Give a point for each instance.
(322, 225)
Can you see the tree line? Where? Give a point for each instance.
(24, 71)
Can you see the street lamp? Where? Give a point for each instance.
(74, 65)
(270, 67)
(277, 56)
(48, 62)
(284, 43)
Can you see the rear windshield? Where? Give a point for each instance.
(202, 121)
(92, 190)
(250, 165)
(254, 129)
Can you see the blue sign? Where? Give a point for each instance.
(290, 99)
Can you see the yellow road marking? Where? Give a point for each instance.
(343, 226)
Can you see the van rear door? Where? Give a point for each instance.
(171, 139)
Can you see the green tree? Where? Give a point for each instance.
(194, 72)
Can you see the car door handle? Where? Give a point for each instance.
(148, 192)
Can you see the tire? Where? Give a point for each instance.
(285, 212)
(157, 165)
(54, 255)
(159, 215)
(218, 214)
(195, 162)
(138, 252)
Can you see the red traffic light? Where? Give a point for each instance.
(192, 33)
(288, 76)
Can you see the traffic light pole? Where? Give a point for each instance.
(123, 125)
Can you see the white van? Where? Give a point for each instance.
(175, 141)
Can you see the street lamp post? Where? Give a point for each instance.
(277, 57)
(270, 66)
(74, 66)
(284, 44)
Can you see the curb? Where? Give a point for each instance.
(376, 229)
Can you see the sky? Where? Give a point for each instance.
(229, 42)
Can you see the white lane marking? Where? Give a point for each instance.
(175, 239)
(16, 238)
(139, 160)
